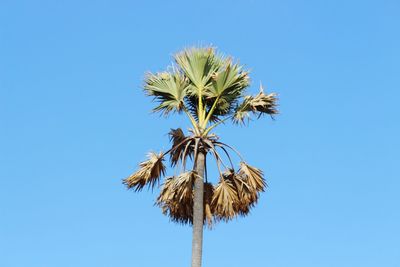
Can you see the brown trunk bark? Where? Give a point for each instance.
(198, 210)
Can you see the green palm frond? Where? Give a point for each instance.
(198, 64)
(149, 172)
(230, 79)
(192, 105)
(169, 89)
(210, 89)
(228, 84)
(223, 106)
(259, 104)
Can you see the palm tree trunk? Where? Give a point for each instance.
(198, 210)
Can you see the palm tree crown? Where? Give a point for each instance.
(209, 88)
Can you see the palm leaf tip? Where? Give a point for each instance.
(149, 172)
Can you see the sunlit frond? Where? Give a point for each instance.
(224, 199)
(228, 84)
(210, 89)
(230, 79)
(168, 88)
(198, 64)
(259, 104)
(176, 197)
(247, 195)
(149, 173)
(253, 176)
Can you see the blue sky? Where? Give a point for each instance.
(74, 122)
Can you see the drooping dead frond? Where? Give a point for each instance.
(253, 176)
(208, 194)
(178, 145)
(176, 136)
(224, 199)
(149, 172)
(183, 186)
(176, 198)
(247, 195)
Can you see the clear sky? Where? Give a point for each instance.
(74, 122)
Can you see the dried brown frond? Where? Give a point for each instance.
(224, 201)
(176, 198)
(259, 104)
(208, 194)
(176, 136)
(264, 103)
(253, 176)
(247, 195)
(178, 145)
(149, 172)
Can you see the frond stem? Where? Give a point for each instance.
(228, 156)
(173, 148)
(210, 112)
(192, 120)
(215, 125)
(200, 110)
(220, 144)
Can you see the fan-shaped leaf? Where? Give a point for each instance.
(149, 172)
(176, 198)
(259, 104)
(224, 200)
(253, 176)
(228, 84)
(179, 142)
(198, 64)
(168, 88)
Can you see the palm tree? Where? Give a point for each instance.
(209, 88)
